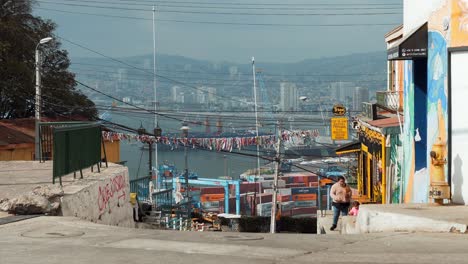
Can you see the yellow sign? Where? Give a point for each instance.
(339, 128)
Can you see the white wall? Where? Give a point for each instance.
(459, 130)
(417, 12)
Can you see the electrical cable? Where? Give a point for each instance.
(220, 13)
(224, 23)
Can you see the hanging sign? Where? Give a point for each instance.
(339, 128)
(339, 110)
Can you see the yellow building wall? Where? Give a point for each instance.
(112, 151)
(17, 154)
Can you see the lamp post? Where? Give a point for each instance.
(37, 108)
(185, 130)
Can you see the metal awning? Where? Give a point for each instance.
(412, 46)
(352, 147)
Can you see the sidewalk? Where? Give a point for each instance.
(56, 240)
(407, 218)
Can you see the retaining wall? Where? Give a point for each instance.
(102, 198)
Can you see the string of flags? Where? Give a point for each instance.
(216, 143)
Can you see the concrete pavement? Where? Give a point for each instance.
(70, 240)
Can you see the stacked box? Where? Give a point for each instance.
(269, 184)
(283, 198)
(286, 206)
(209, 205)
(304, 211)
(292, 185)
(303, 190)
(211, 197)
(304, 197)
(305, 203)
(281, 191)
(212, 190)
(247, 187)
(264, 209)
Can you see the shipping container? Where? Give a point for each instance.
(303, 190)
(304, 211)
(211, 197)
(212, 190)
(264, 209)
(269, 184)
(287, 206)
(305, 203)
(304, 197)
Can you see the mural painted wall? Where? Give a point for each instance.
(459, 23)
(447, 27)
(408, 138)
(395, 168)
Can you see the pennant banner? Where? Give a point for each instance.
(218, 144)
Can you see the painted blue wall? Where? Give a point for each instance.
(420, 112)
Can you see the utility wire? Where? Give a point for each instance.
(221, 13)
(262, 4)
(234, 7)
(225, 23)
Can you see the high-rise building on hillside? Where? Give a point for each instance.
(361, 95)
(289, 99)
(342, 92)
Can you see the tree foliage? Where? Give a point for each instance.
(20, 32)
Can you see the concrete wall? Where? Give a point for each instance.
(459, 128)
(102, 200)
(417, 12)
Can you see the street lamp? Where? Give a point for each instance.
(185, 130)
(38, 97)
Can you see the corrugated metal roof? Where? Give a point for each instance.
(9, 136)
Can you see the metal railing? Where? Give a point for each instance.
(390, 99)
(324, 201)
(140, 186)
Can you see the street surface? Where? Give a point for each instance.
(69, 240)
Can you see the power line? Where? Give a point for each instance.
(133, 3)
(262, 4)
(225, 23)
(222, 13)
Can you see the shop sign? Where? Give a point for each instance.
(339, 110)
(339, 128)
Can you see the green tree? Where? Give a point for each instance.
(20, 32)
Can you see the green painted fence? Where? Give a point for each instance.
(75, 148)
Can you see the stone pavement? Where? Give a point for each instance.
(69, 240)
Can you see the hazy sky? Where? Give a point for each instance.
(119, 37)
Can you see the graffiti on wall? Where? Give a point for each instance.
(114, 189)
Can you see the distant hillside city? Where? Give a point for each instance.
(189, 84)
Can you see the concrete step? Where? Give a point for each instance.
(407, 218)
